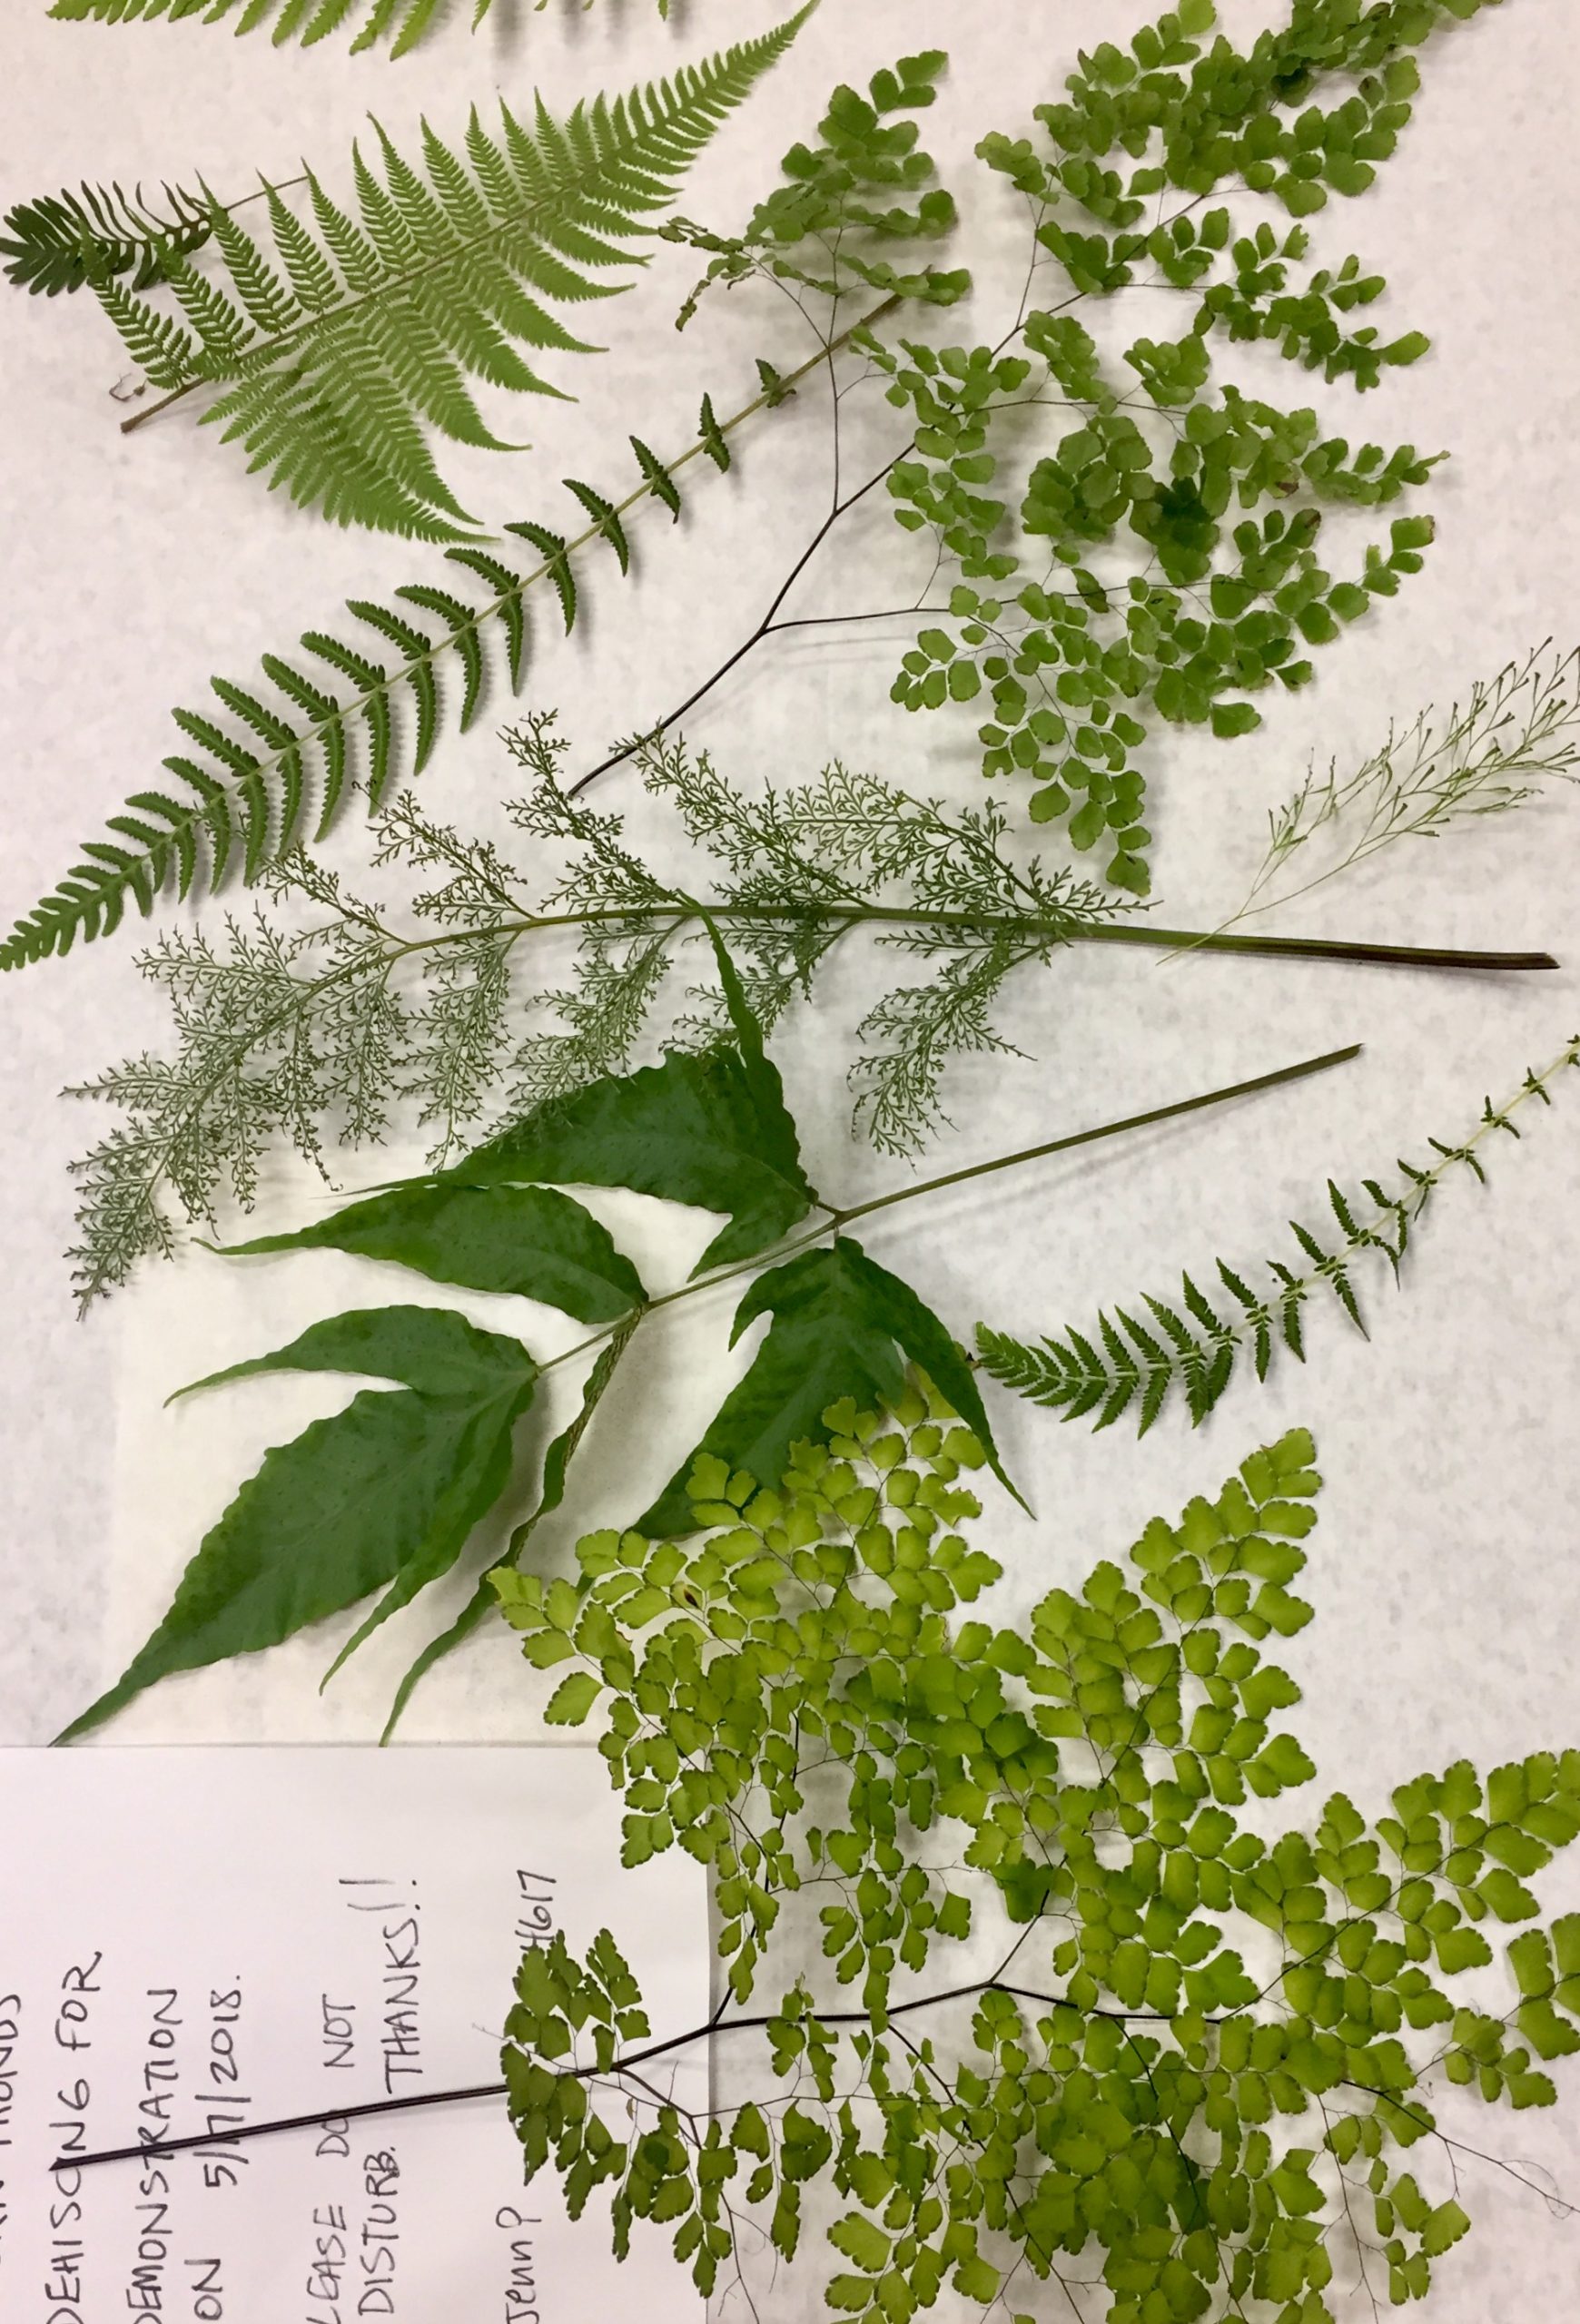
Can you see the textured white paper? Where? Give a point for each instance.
(210, 1939)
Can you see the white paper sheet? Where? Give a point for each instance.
(197, 1940)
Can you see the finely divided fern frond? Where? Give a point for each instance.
(1193, 1346)
(252, 777)
(51, 243)
(341, 344)
(302, 20)
(324, 1034)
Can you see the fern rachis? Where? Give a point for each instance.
(251, 779)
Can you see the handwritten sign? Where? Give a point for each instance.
(194, 1942)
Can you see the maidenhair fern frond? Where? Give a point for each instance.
(401, 22)
(51, 243)
(1193, 1346)
(264, 763)
(340, 345)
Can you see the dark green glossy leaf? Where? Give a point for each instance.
(708, 1130)
(840, 1322)
(381, 1496)
(484, 1599)
(529, 1240)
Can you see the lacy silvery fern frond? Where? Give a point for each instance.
(319, 1035)
(1510, 737)
(340, 347)
(1192, 1346)
(53, 243)
(302, 21)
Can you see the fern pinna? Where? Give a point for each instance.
(1125, 1363)
(337, 348)
(51, 243)
(303, 22)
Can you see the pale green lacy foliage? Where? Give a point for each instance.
(1185, 569)
(1193, 1347)
(341, 343)
(1500, 748)
(326, 1034)
(1194, 2081)
(302, 21)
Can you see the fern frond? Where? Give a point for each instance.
(53, 243)
(401, 24)
(246, 798)
(1124, 1365)
(446, 1015)
(341, 348)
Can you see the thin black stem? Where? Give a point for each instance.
(160, 2148)
(747, 645)
(1313, 947)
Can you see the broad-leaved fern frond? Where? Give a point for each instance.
(262, 763)
(51, 243)
(1192, 1346)
(340, 345)
(402, 24)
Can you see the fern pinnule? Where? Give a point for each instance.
(1193, 1346)
(338, 348)
(246, 797)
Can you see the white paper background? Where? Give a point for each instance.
(239, 1899)
(1444, 1573)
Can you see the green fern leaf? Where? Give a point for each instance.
(606, 517)
(1067, 1374)
(658, 477)
(555, 555)
(713, 441)
(53, 243)
(337, 351)
(175, 833)
(398, 26)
